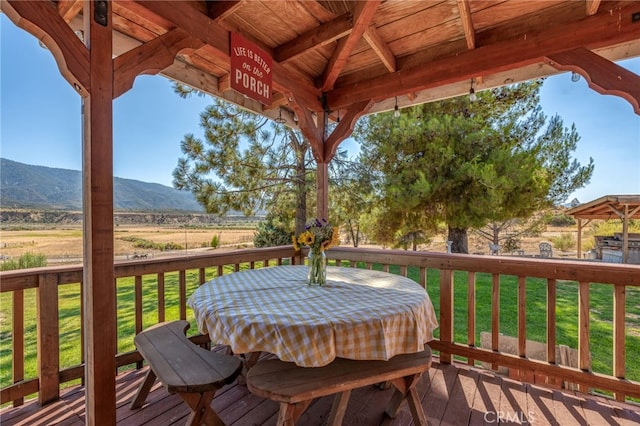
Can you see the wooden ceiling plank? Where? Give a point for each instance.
(345, 127)
(150, 58)
(220, 10)
(194, 77)
(194, 22)
(43, 21)
(319, 36)
(467, 23)
(602, 75)
(267, 32)
(505, 11)
(362, 16)
(381, 48)
(138, 13)
(592, 7)
(133, 29)
(69, 9)
(592, 32)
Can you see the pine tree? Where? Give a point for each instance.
(467, 163)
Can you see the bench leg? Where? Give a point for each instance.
(406, 389)
(201, 411)
(290, 413)
(143, 390)
(339, 407)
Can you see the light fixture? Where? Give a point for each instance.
(472, 93)
(575, 77)
(396, 111)
(280, 120)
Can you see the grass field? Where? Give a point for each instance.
(567, 327)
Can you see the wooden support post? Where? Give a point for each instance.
(100, 293)
(323, 191)
(48, 338)
(579, 249)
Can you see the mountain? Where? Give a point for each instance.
(27, 186)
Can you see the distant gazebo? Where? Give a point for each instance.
(623, 207)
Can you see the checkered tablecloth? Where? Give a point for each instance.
(359, 314)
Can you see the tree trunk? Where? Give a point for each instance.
(354, 232)
(459, 238)
(300, 150)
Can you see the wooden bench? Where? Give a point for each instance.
(295, 387)
(184, 368)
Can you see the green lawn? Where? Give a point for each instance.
(567, 316)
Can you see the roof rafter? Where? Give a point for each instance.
(362, 16)
(68, 9)
(467, 23)
(381, 48)
(321, 35)
(592, 7)
(591, 32)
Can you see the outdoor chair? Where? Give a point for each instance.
(545, 250)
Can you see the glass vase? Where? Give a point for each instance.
(317, 274)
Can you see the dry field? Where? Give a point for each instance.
(64, 244)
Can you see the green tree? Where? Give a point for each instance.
(246, 163)
(468, 164)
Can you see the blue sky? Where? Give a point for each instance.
(41, 124)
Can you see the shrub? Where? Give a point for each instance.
(271, 234)
(27, 260)
(561, 220)
(511, 244)
(215, 241)
(564, 242)
(171, 246)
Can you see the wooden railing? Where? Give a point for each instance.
(154, 279)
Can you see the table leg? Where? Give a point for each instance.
(248, 361)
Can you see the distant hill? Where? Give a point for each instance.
(28, 186)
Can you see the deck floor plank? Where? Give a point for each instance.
(452, 395)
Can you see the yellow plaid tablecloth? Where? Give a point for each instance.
(359, 314)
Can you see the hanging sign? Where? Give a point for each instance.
(250, 69)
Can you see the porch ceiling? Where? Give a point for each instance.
(332, 55)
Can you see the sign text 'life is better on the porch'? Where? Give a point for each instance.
(250, 69)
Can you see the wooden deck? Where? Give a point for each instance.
(451, 395)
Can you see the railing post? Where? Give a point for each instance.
(584, 357)
(48, 338)
(471, 312)
(18, 340)
(446, 311)
(619, 317)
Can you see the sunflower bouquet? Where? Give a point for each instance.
(319, 236)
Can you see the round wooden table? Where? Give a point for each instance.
(359, 314)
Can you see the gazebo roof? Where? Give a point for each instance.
(331, 55)
(606, 207)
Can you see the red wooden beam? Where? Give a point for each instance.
(602, 75)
